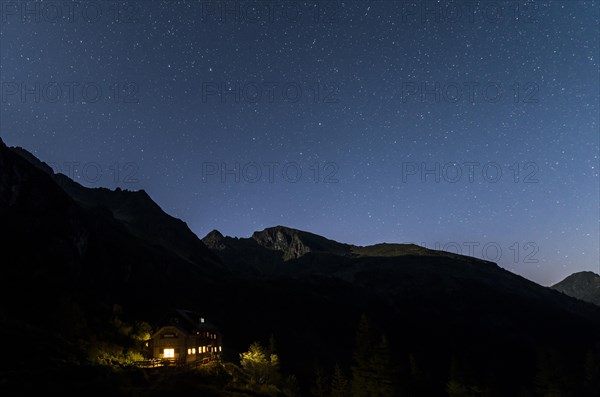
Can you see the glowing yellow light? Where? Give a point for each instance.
(220, 348)
(169, 353)
(193, 350)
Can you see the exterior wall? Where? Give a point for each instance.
(203, 345)
(169, 338)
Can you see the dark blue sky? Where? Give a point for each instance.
(452, 125)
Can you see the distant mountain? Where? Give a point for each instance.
(267, 251)
(582, 285)
(294, 243)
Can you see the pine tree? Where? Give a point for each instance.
(271, 353)
(340, 387)
(373, 374)
(319, 388)
(418, 377)
(383, 371)
(456, 386)
(361, 371)
(272, 349)
(548, 377)
(459, 383)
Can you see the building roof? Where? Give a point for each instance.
(189, 322)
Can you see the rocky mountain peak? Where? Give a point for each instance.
(582, 285)
(285, 239)
(214, 240)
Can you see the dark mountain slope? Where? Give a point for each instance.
(137, 211)
(397, 273)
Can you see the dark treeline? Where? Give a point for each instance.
(376, 371)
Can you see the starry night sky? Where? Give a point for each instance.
(379, 105)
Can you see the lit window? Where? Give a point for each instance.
(169, 353)
(193, 350)
(220, 348)
(203, 349)
(189, 351)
